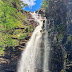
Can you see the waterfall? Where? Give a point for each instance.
(35, 56)
(46, 49)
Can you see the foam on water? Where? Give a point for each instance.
(31, 57)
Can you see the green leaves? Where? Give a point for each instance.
(12, 17)
(22, 36)
(18, 4)
(60, 27)
(45, 4)
(8, 22)
(9, 42)
(7, 16)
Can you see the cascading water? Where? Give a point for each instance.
(46, 49)
(35, 57)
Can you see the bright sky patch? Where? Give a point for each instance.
(33, 5)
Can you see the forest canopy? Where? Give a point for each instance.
(12, 17)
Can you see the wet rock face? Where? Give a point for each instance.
(59, 13)
(69, 16)
(56, 59)
(56, 16)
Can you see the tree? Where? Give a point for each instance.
(18, 4)
(45, 4)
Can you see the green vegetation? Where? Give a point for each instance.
(45, 4)
(69, 38)
(60, 37)
(12, 20)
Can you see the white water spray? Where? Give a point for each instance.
(31, 57)
(46, 50)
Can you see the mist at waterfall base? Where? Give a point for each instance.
(35, 56)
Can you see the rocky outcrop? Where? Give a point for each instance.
(59, 19)
(22, 34)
